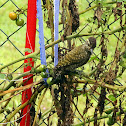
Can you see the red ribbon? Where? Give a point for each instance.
(30, 43)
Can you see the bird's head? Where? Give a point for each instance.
(91, 42)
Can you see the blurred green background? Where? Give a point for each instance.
(8, 52)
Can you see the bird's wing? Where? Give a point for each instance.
(74, 56)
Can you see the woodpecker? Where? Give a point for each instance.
(75, 58)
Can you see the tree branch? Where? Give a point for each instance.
(90, 8)
(102, 84)
(59, 40)
(23, 105)
(98, 118)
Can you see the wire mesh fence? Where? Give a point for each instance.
(83, 100)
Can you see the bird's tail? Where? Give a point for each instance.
(58, 75)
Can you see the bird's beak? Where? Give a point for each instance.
(87, 42)
(91, 51)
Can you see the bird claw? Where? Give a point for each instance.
(79, 73)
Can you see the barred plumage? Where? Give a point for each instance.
(75, 58)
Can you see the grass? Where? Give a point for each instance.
(8, 53)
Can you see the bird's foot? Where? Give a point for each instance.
(79, 73)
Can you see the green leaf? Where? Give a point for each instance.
(124, 55)
(93, 58)
(9, 76)
(1, 63)
(84, 94)
(2, 76)
(112, 98)
(28, 50)
(108, 109)
(123, 63)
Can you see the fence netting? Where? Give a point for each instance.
(96, 96)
